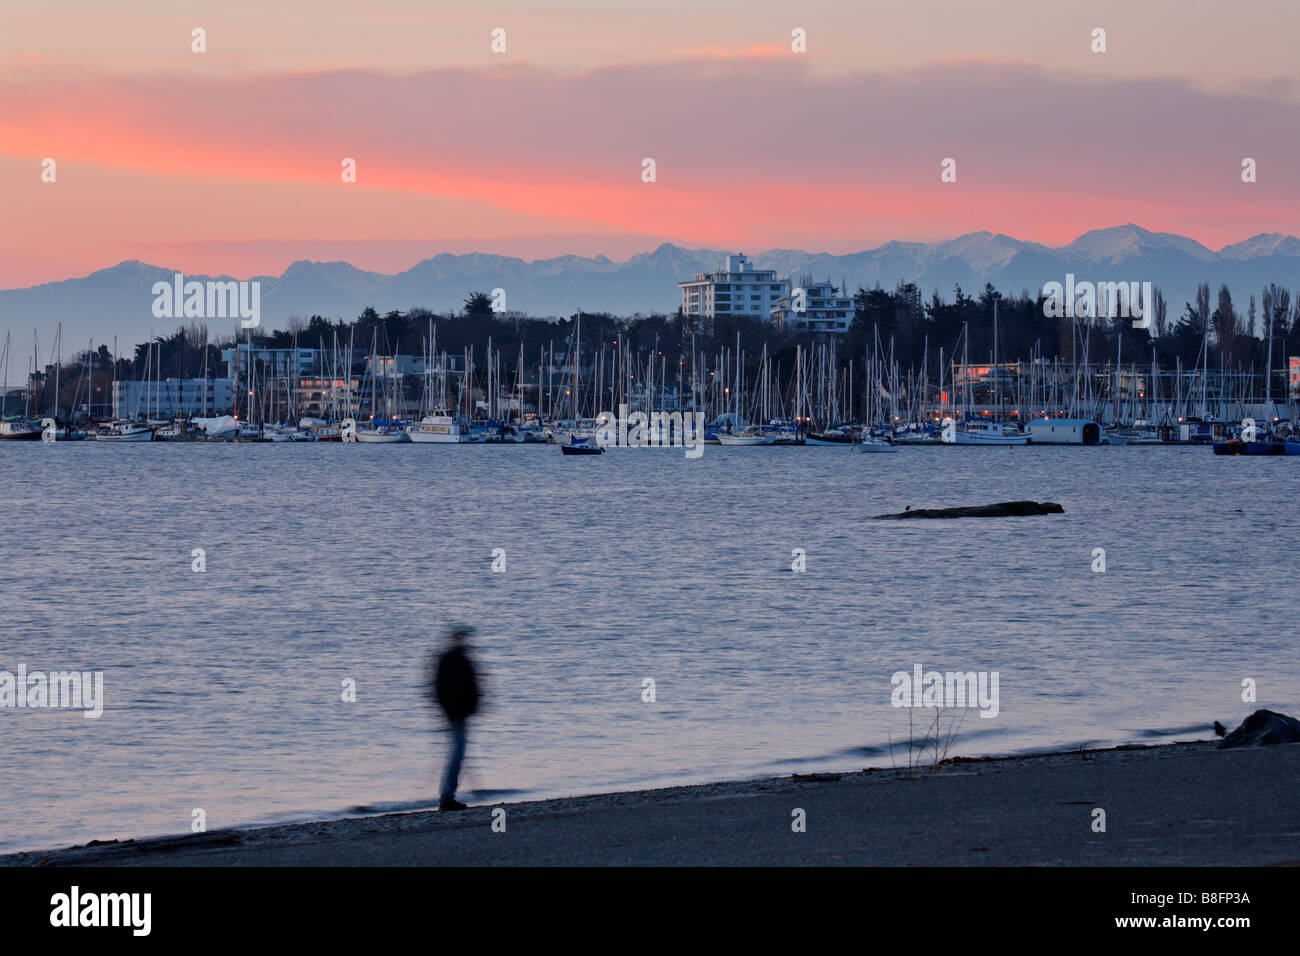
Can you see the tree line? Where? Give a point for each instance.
(897, 322)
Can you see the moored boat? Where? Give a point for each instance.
(19, 431)
(989, 433)
(581, 445)
(838, 435)
(378, 432)
(1235, 446)
(747, 436)
(124, 431)
(435, 429)
(381, 436)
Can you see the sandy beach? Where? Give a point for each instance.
(1182, 804)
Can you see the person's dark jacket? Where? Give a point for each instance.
(454, 685)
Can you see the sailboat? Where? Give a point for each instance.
(382, 433)
(436, 426)
(872, 444)
(749, 435)
(580, 441)
(13, 431)
(379, 431)
(976, 432)
(581, 445)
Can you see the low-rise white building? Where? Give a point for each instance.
(395, 365)
(281, 363)
(824, 310)
(736, 289)
(173, 397)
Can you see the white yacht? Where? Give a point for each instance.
(871, 444)
(382, 435)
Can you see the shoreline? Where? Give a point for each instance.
(1184, 803)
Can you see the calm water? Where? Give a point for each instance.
(223, 689)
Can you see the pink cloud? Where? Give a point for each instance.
(755, 150)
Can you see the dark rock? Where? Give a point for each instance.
(1003, 509)
(1262, 728)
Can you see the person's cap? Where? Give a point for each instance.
(459, 631)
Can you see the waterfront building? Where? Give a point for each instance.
(280, 363)
(826, 310)
(736, 289)
(173, 397)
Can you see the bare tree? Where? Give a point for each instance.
(1227, 325)
(1203, 307)
(1161, 309)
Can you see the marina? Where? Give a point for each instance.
(794, 389)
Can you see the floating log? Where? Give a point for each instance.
(1003, 509)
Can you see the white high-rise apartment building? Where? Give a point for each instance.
(738, 289)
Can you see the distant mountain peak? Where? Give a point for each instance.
(1264, 244)
(1117, 244)
(117, 300)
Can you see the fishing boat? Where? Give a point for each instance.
(124, 431)
(179, 430)
(19, 431)
(435, 429)
(320, 430)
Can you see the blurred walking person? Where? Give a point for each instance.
(456, 690)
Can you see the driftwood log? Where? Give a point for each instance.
(1003, 509)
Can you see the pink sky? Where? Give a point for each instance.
(229, 161)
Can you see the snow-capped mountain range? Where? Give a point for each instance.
(118, 300)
